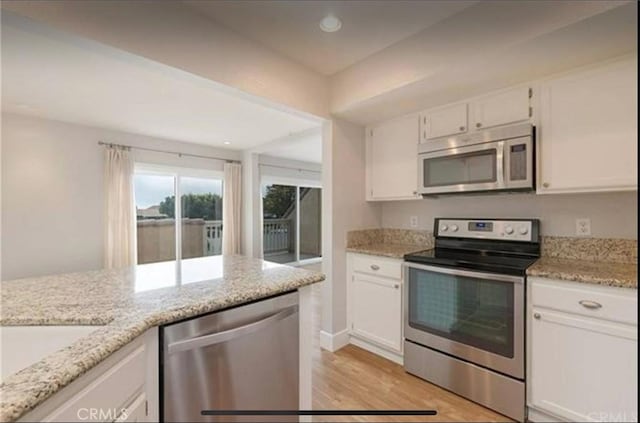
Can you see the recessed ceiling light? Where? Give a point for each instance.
(330, 23)
(227, 142)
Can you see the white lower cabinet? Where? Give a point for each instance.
(122, 388)
(375, 304)
(583, 352)
(136, 411)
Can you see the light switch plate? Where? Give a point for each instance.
(413, 221)
(583, 227)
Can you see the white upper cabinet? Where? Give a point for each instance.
(392, 164)
(588, 137)
(442, 122)
(503, 108)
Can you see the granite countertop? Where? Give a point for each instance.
(123, 304)
(621, 275)
(387, 250)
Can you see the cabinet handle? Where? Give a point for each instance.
(536, 316)
(478, 125)
(375, 267)
(592, 305)
(396, 286)
(545, 184)
(462, 128)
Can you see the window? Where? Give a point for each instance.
(199, 212)
(292, 225)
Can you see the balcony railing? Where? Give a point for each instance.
(153, 235)
(277, 236)
(212, 240)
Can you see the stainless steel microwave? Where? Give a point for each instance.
(501, 159)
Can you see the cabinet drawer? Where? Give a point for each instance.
(614, 304)
(103, 399)
(378, 266)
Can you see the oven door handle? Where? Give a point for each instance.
(467, 273)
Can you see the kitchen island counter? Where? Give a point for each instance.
(123, 304)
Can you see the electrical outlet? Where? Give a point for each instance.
(583, 227)
(413, 221)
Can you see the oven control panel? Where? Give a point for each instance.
(507, 230)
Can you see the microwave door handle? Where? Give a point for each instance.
(500, 165)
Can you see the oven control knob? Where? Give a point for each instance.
(444, 228)
(454, 228)
(508, 230)
(523, 230)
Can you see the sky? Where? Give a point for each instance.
(150, 190)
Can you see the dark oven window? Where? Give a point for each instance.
(472, 311)
(468, 168)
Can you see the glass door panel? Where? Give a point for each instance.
(472, 311)
(310, 223)
(279, 213)
(155, 217)
(201, 209)
(468, 168)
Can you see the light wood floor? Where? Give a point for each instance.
(355, 379)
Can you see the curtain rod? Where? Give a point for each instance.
(290, 168)
(110, 144)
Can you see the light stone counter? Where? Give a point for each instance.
(602, 261)
(620, 275)
(386, 250)
(127, 302)
(394, 243)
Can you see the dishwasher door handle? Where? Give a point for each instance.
(228, 335)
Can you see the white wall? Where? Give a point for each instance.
(52, 191)
(613, 215)
(343, 208)
(169, 32)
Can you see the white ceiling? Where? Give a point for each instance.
(305, 146)
(58, 76)
(291, 26)
(538, 39)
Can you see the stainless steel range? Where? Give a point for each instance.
(465, 308)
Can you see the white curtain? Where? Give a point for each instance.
(119, 208)
(232, 208)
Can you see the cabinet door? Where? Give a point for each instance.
(583, 369)
(136, 411)
(502, 108)
(392, 165)
(588, 132)
(451, 120)
(376, 313)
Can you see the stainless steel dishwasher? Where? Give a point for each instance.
(243, 358)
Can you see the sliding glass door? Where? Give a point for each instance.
(155, 216)
(310, 227)
(199, 212)
(292, 225)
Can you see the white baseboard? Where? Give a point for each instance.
(389, 355)
(334, 341)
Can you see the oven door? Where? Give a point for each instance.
(475, 316)
(473, 168)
